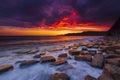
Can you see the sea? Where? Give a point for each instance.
(77, 70)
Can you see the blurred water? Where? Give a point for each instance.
(75, 69)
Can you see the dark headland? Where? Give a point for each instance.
(114, 31)
(88, 33)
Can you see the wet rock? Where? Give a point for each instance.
(104, 47)
(117, 51)
(32, 51)
(28, 62)
(114, 61)
(63, 55)
(74, 52)
(90, 45)
(95, 46)
(4, 68)
(82, 44)
(99, 52)
(37, 56)
(113, 70)
(84, 49)
(28, 51)
(88, 77)
(55, 49)
(105, 76)
(68, 57)
(60, 61)
(66, 67)
(86, 57)
(110, 52)
(92, 52)
(47, 59)
(107, 56)
(75, 46)
(42, 53)
(59, 76)
(97, 61)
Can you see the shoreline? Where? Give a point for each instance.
(79, 65)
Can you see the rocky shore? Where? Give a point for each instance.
(103, 53)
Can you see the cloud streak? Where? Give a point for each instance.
(33, 13)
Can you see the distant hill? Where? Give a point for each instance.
(88, 33)
(115, 29)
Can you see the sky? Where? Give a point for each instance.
(56, 17)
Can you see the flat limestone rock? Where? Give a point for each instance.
(63, 55)
(55, 49)
(97, 61)
(28, 51)
(28, 62)
(59, 76)
(74, 52)
(117, 51)
(60, 61)
(92, 52)
(86, 57)
(45, 59)
(105, 76)
(37, 56)
(4, 68)
(42, 53)
(113, 70)
(107, 56)
(114, 61)
(32, 51)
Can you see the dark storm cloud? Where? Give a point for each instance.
(28, 13)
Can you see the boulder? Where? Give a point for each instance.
(27, 51)
(82, 44)
(59, 76)
(95, 46)
(104, 47)
(84, 49)
(75, 46)
(113, 70)
(114, 61)
(107, 56)
(90, 45)
(117, 51)
(99, 52)
(32, 51)
(60, 61)
(97, 61)
(105, 76)
(37, 56)
(42, 53)
(4, 68)
(110, 52)
(74, 52)
(28, 62)
(92, 52)
(86, 57)
(55, 49)
(63, 55)
(88, 77)
(47, 59)
(68, 57)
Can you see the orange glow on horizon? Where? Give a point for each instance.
(68, 24)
